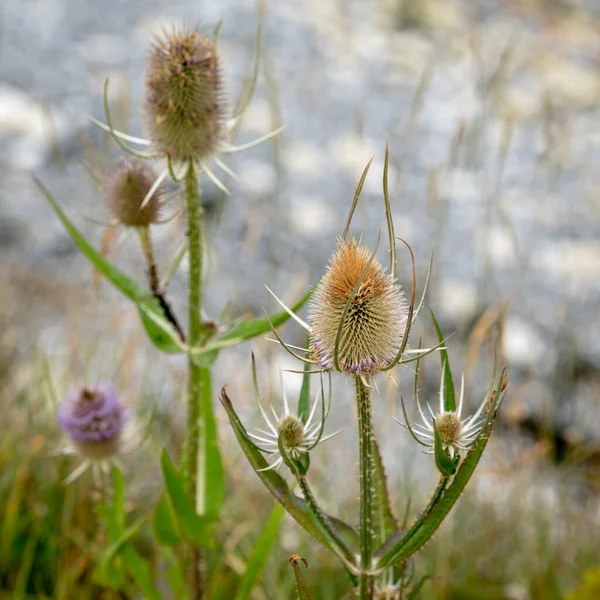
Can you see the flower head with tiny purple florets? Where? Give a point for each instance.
(94, 419)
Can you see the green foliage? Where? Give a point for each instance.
(262, 549)
(449, 397)
(589, 589)
(190, 526)
(295, 506)
(159, 329)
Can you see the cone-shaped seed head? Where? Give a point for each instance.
(184, 103)
(373, 328)
(292, 431)
(449, 427)
(93, 418)
(125, 189)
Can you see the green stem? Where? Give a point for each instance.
(195, 476)
(366, 438)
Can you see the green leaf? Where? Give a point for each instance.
(446, 465)
(444, 498)
(159, 330)
(449, 397)
(103, 571)
(296, 507)
(384, 520)
(304, 400)
(210, 456)
(163, 525)
(248, 329)
(262, 549)
(301, 590)
(140, 571)
(192, 527)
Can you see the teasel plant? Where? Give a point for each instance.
(359, 325)
(186, 115)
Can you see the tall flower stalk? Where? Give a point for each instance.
(195, 476)
(359, 325)
(366, 443)
(185, 113)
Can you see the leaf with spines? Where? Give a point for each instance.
(384, 520)
(297, 507)
(449, 396)
(304, 400)
(160, 331)
(399, 547)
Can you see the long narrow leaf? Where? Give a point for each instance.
(296, 507)
(262, 549)
(304, 400)
(384, 520)
(190, 526)
(449, 397)
(246, 330)
(214, 494)
(395, 550)
(159, 330)
(163, 524)
(139, 569)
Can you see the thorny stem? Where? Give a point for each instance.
(192, 443)
(153, 280)
(366, 438)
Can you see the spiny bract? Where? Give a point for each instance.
(125, 189)
(372, 330)
(184, 103)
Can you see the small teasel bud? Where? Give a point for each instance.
(184, 104)
(449, 427)
(373, 327)
(291, 431)
(126, 188)
(94, 418)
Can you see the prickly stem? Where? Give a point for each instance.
(366, 436)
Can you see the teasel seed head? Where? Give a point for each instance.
(184, 103)
(126, 188)
(449, 427)
(291, 430)
(93, 418)
(372, 329)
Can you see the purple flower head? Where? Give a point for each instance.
(93, 417)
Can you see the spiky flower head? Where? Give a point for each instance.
(94, 418)
(126, 191)
(184, 103)
(371, 328)
(297, 437)
(455, 433)
(291, 430)
(449, 427)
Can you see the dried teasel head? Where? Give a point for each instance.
(126, 191)
(184, 103)
(367, 324)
